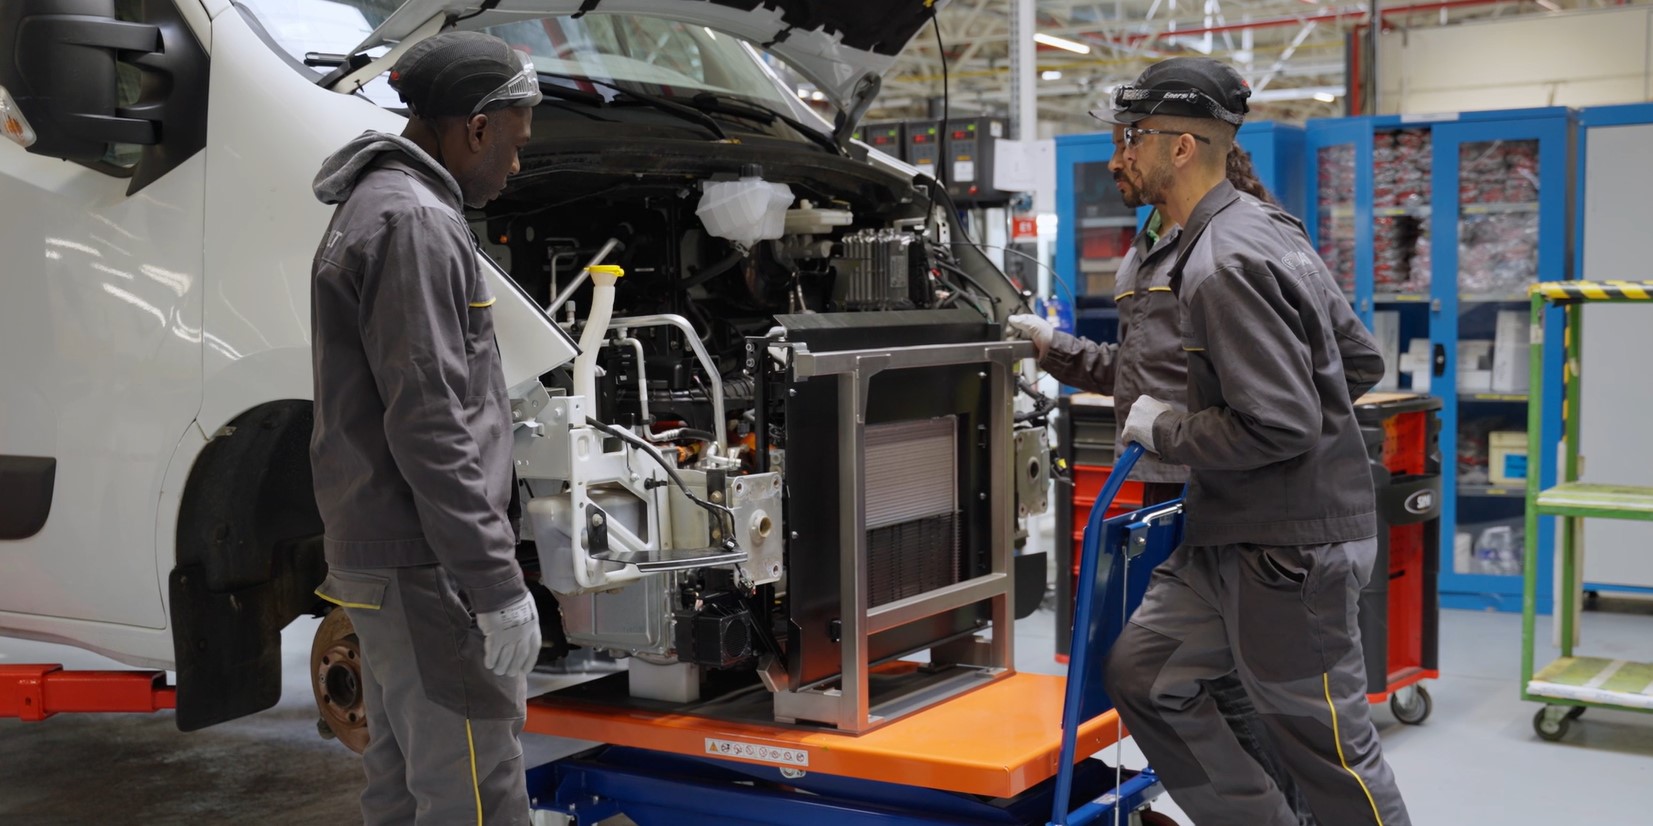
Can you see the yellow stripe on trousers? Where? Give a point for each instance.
(477, 787)
(1326, 679)
(343, 604)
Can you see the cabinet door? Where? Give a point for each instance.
(1096, 226)
(1339, 208)
(1499, 225)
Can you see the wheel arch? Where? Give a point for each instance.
(248, 558)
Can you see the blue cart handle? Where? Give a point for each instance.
(1104, 500)
(1060, 816)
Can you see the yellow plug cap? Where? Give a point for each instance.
(613, 270)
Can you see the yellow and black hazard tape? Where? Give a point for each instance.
(1594, 290)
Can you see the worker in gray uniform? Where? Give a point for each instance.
(1281, 522)
(411, 448)
(1148, 360)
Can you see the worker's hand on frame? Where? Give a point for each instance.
(511, 637)
(1139, 425)
(1033, 328)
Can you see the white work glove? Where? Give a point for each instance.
(1033, 328)
(511, 637)
(1139, 425)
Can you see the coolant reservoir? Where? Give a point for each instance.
(745, 211)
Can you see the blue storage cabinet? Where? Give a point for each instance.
(1435, 227)
(1094, 228)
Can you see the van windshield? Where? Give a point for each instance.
(648, 54)
(661, 57)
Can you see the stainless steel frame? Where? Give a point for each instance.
(849, 707)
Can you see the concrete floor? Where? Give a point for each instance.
(1476, 761)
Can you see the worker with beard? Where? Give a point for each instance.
(1148, 360)
(1280, 530)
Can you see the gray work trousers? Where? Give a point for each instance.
(1284, 620)
(1236, 706)
(443, 728)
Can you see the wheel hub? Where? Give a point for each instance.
(336, 681)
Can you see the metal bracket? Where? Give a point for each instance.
(1138, 531)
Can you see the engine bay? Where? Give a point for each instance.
(787, 452)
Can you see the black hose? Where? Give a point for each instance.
(723, 514)
(959, 271)
(1042, 404)
(722, 266)
(691, 433)
(739, 389)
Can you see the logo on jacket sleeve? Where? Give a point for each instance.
(1295, 260)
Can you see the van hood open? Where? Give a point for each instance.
(838, 44)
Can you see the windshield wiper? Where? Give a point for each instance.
(688, 113)
(552, 90)
(741, 108)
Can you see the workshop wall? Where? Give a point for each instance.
(1577, 59)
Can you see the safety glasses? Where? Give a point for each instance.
(1134, 135)
(524, 85)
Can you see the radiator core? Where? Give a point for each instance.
(911, 501)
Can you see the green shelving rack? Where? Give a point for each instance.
(1573, 683)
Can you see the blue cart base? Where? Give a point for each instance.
(660, 789)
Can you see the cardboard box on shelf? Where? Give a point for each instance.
(1510, 368)
(1507, 457)
(1475, 366)
(1475, 381)
(1417, 364)
(1101, 283)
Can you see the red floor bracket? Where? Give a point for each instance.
(35, 692)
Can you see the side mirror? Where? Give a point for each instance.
(61, 73)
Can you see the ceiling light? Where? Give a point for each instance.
(1549, 4)
(817, 95)
(802, 92)
(1061, 43)
(1050, 74)
(1325, 97)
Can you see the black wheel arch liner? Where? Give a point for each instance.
(249, 556)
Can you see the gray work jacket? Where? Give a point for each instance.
(411, 448)
(1148, 359)
(1276, 357)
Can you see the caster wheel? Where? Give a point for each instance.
(1148, 817)
(1575, 712)
(1551, 723)
(1411, 705)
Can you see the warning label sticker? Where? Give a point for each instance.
(757, 751)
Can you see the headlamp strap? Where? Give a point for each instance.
(1124, 96)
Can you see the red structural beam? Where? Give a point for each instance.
(35, 692)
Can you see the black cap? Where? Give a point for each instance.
(1190, 87)
(452, 73)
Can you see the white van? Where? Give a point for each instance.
(155, 491)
